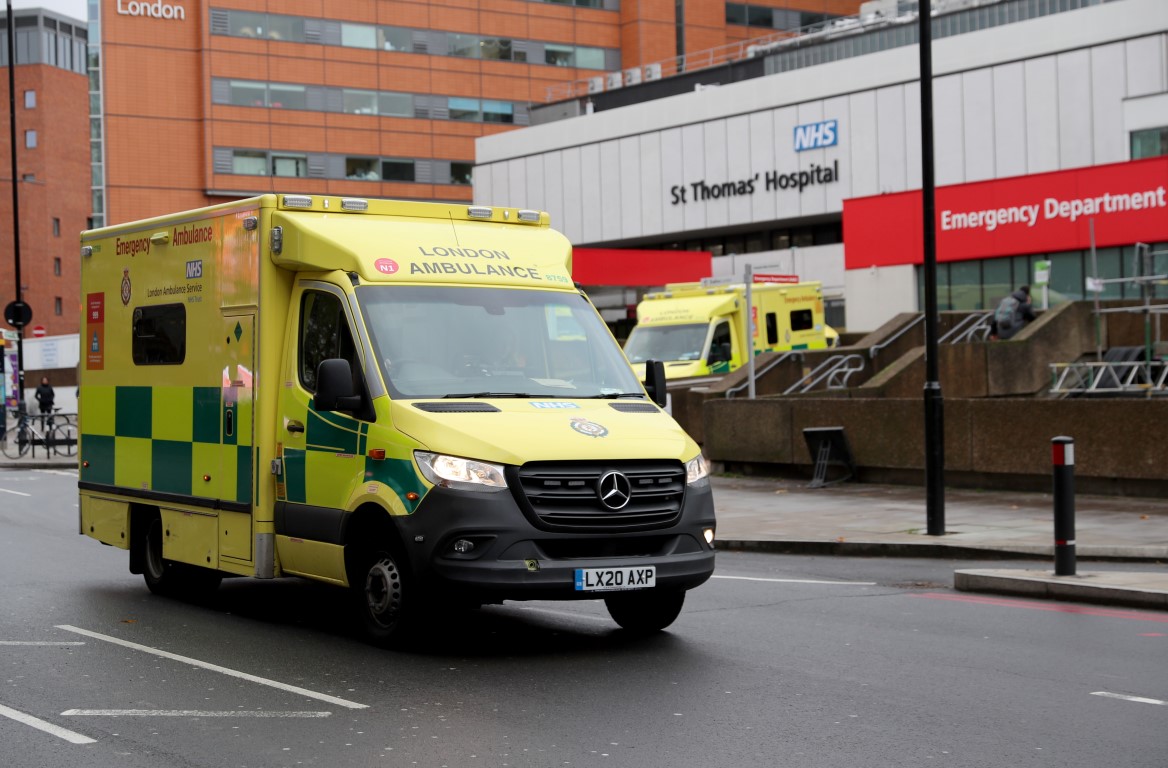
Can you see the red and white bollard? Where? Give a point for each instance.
(1063, 451)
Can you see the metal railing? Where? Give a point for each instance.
(974, 326)
(835, 371)
(1137, 376)
(887, 342)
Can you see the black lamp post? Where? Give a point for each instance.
(934, 404)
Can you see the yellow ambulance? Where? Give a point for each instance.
(408, 400)
(701, 330)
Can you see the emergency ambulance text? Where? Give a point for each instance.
(132, 247)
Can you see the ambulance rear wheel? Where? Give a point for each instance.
(159, 573)
(383, 591)
(645, 612)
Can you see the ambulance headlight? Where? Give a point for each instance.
(461, 474)
(697, 470)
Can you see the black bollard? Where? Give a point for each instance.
(1063, 450)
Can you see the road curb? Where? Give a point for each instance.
(1043, 584)
(937, 551)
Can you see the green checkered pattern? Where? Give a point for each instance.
(165, 439)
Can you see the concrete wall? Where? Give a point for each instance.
(1004, 442)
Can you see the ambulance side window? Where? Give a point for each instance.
(720, 344)
(801, 320)
(324, 333)
(772, 321)
(159, 335)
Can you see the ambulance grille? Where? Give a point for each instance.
(564, 496)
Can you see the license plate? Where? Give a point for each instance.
(609, 579)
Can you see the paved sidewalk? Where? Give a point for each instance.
(776, 515)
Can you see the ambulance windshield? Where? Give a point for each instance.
(666, 342)
(445, 341)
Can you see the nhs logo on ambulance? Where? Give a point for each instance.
(194, 269)
(816, 135)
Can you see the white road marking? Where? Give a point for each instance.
(64, 472)
(41, 725)
(40, 642)
(14, 493)
(216, 668)
(799, 581)
(184, 713)
(1137, 699)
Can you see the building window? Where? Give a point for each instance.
(30, 99)
(497, 112)
(395, 104)
(360, 102)
(495, 48)
(56, 228)
(287, 28)
(248, 94)
(463, 109)
(30, 139)
(557, 55)
(361, 169)
(58, 306)
(57, 266)
(590, 58)
(358, 36)
(397, 170)
(290, 165)
(394, 39)
(249, 163)
(287, 97)
(1149, 143)
(461, 173)
(463, 45)
(246, 24)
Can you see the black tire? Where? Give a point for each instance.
(385, 598)
(159, 573)
(15, 442)
(645, 612)
(64, 439)
(165, 577)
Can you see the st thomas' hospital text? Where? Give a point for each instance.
(700, 191)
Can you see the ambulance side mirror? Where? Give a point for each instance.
(334, 387)
(655, 381)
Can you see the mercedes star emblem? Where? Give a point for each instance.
(614, 489)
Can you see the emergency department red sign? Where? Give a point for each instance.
(1044, 213)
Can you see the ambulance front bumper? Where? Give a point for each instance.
(511, 556)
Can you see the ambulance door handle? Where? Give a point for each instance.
(295, 426)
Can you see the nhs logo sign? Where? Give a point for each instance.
(816, 135)
(194, 269)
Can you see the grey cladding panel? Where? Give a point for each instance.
(220, 91)
(222, 160)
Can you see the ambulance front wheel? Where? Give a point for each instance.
(645, 612)
(384, 596)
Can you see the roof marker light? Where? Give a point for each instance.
(251, 223)
(532, 216)
(354, 204)
(479, 212)
(86, 251)
(297, 201)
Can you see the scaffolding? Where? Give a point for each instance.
(1123, 370)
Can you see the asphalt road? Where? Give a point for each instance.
(778, 661)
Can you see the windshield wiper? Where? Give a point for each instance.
(488, 394)
(616, 396)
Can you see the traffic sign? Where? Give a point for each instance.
(38, 331)
(17, 314)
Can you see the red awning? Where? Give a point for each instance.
(630, 267)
